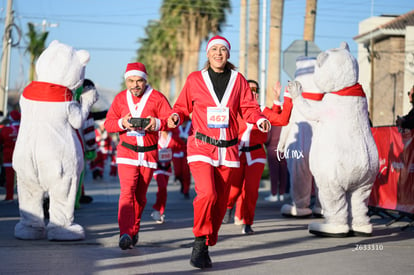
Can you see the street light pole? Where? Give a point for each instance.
(5, 62)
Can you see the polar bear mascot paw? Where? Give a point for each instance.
(73, 232)
(329, 230)
(29, 232)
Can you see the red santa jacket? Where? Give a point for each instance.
(8, 136)
(251, 139)
(198, 97)
(167, 146)
(150, 103)
(278, 116)
(181, 134)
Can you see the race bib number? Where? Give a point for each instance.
(139, 133)
(218, 117)
(164, 155)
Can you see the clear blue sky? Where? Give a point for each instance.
(110, 29)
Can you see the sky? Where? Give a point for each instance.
(110, 29)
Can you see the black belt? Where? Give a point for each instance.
(251, 148)
(140, 149)
(215, 142)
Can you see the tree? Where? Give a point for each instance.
(35, 48)
(159, 52)
(275, 41)
(192, 21)
(253, 41)
(243, 34)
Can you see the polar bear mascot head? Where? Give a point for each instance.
(336, 69)
(62, 64)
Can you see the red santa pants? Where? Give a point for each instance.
(245, 182)
(134, 181)
(161, 201)
(212, 188)
(9, 172)
(182, 173)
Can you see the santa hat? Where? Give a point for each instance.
(218, 40)
(136, 69)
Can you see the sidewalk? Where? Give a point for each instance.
(280, 245)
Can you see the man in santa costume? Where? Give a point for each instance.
(104, 150)
(137, 149)
(8, 136)
(245, 182)
(181, 168)
(215, 96)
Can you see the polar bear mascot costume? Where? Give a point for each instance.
(48, 156)
(343, 157)
(295, 142)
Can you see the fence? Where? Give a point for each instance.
(394, 185)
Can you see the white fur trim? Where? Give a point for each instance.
(215, 163)
(218, 41)
(260, 122)
(135, 162)
(162, 172)
(157, 124)
(120, 124)
(135, 73)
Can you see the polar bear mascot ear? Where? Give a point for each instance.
(336, 69)
(63, 65)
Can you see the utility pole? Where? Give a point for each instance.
(275, 42)
(5, 61)
(253, 41)
(263, 55)
(243, 38)
(310, 18)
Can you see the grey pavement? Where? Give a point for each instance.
(280, 246)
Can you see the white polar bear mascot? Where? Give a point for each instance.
(343, 157)
(295, 142)
(48, 156)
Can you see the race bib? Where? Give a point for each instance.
(164, 155)
(138, 133)
(217, 117)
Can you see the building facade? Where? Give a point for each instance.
(386, 65)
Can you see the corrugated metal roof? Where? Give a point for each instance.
(394, 27)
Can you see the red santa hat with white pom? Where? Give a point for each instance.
(218, 40)
(135, 69)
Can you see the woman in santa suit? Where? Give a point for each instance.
(215, 96)
(137, 148)
(246, 181)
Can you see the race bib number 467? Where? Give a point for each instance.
(218, 117)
